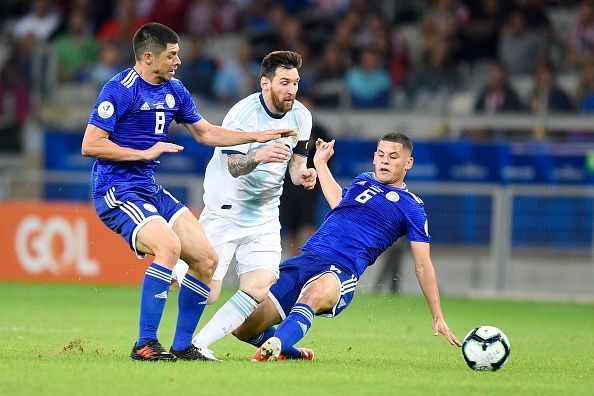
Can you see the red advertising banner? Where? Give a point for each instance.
(63, 242)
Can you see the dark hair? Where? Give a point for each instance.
(398, 137)
(153, 37)
(285, 59)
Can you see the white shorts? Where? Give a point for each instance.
(252, 247)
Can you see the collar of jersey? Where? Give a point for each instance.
(268, 111)
(403, 188)
(142, 78)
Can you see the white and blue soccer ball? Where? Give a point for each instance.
(485, 348)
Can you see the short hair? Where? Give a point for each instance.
(153, 37)
(398, 137)
(285, 59)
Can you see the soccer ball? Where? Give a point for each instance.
(485, 348)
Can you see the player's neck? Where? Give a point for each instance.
(146, 74)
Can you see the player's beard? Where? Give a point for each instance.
(280, 104)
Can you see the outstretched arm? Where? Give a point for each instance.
(96, 144)
(331, 189)
(428, 282)
(213, 135)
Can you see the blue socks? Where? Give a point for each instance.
(152, 301)
(295, 326)
(191, 303)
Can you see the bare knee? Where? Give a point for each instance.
(203, 264)
(168, 249)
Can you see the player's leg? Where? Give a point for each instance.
(235, 311)
(130, 215)
(194, 290)
(258, 257)
(320, 295)
(157, 239)
(259, 322)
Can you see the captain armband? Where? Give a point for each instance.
(301, 148)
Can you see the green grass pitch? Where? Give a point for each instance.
(70, 339)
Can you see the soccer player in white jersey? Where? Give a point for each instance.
(127, 133)
(243, 185)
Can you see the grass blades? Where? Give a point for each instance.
(71, 339)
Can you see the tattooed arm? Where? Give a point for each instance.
(240, 164)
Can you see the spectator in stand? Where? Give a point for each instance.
(198, 70)
(328, 77)
(208, 17)
(585, 93)
(14, 109)
(120, 28)
(581, 39)
(444, 22)
(237, 78)
(76, 50)
(497, 95)
(368, 82)
(108, 66)
(437, 70)
(546, 94)
(481, 35)
(521, 48)
(42, 22)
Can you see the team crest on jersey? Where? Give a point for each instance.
(393, 196)
(150, 208)
(170, 100)
(105, 109)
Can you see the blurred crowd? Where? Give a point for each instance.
(382, 53)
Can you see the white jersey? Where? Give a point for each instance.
(253, 199)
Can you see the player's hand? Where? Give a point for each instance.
(272, 134)
(439, 326)
(273, 152)
(160, 148)
(324, 151)
(308, 178)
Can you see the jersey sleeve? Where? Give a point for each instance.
(112, 103)
(230, 122)
(418, 226)
(187, 113)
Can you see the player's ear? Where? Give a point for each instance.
(264, 82)
(409, 163)
(148, 57)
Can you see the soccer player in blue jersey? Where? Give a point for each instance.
(127, 133)
(366, 218)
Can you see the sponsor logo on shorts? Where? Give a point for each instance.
(150, 208)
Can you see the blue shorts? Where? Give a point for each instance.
(298, 272)
(126, 209)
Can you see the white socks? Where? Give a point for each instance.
(229, 317)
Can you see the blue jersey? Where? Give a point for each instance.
(370, 217)
(137, 114)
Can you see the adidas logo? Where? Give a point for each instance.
(303, 327)
(161, 295)
(341, 303)
(145, 106)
